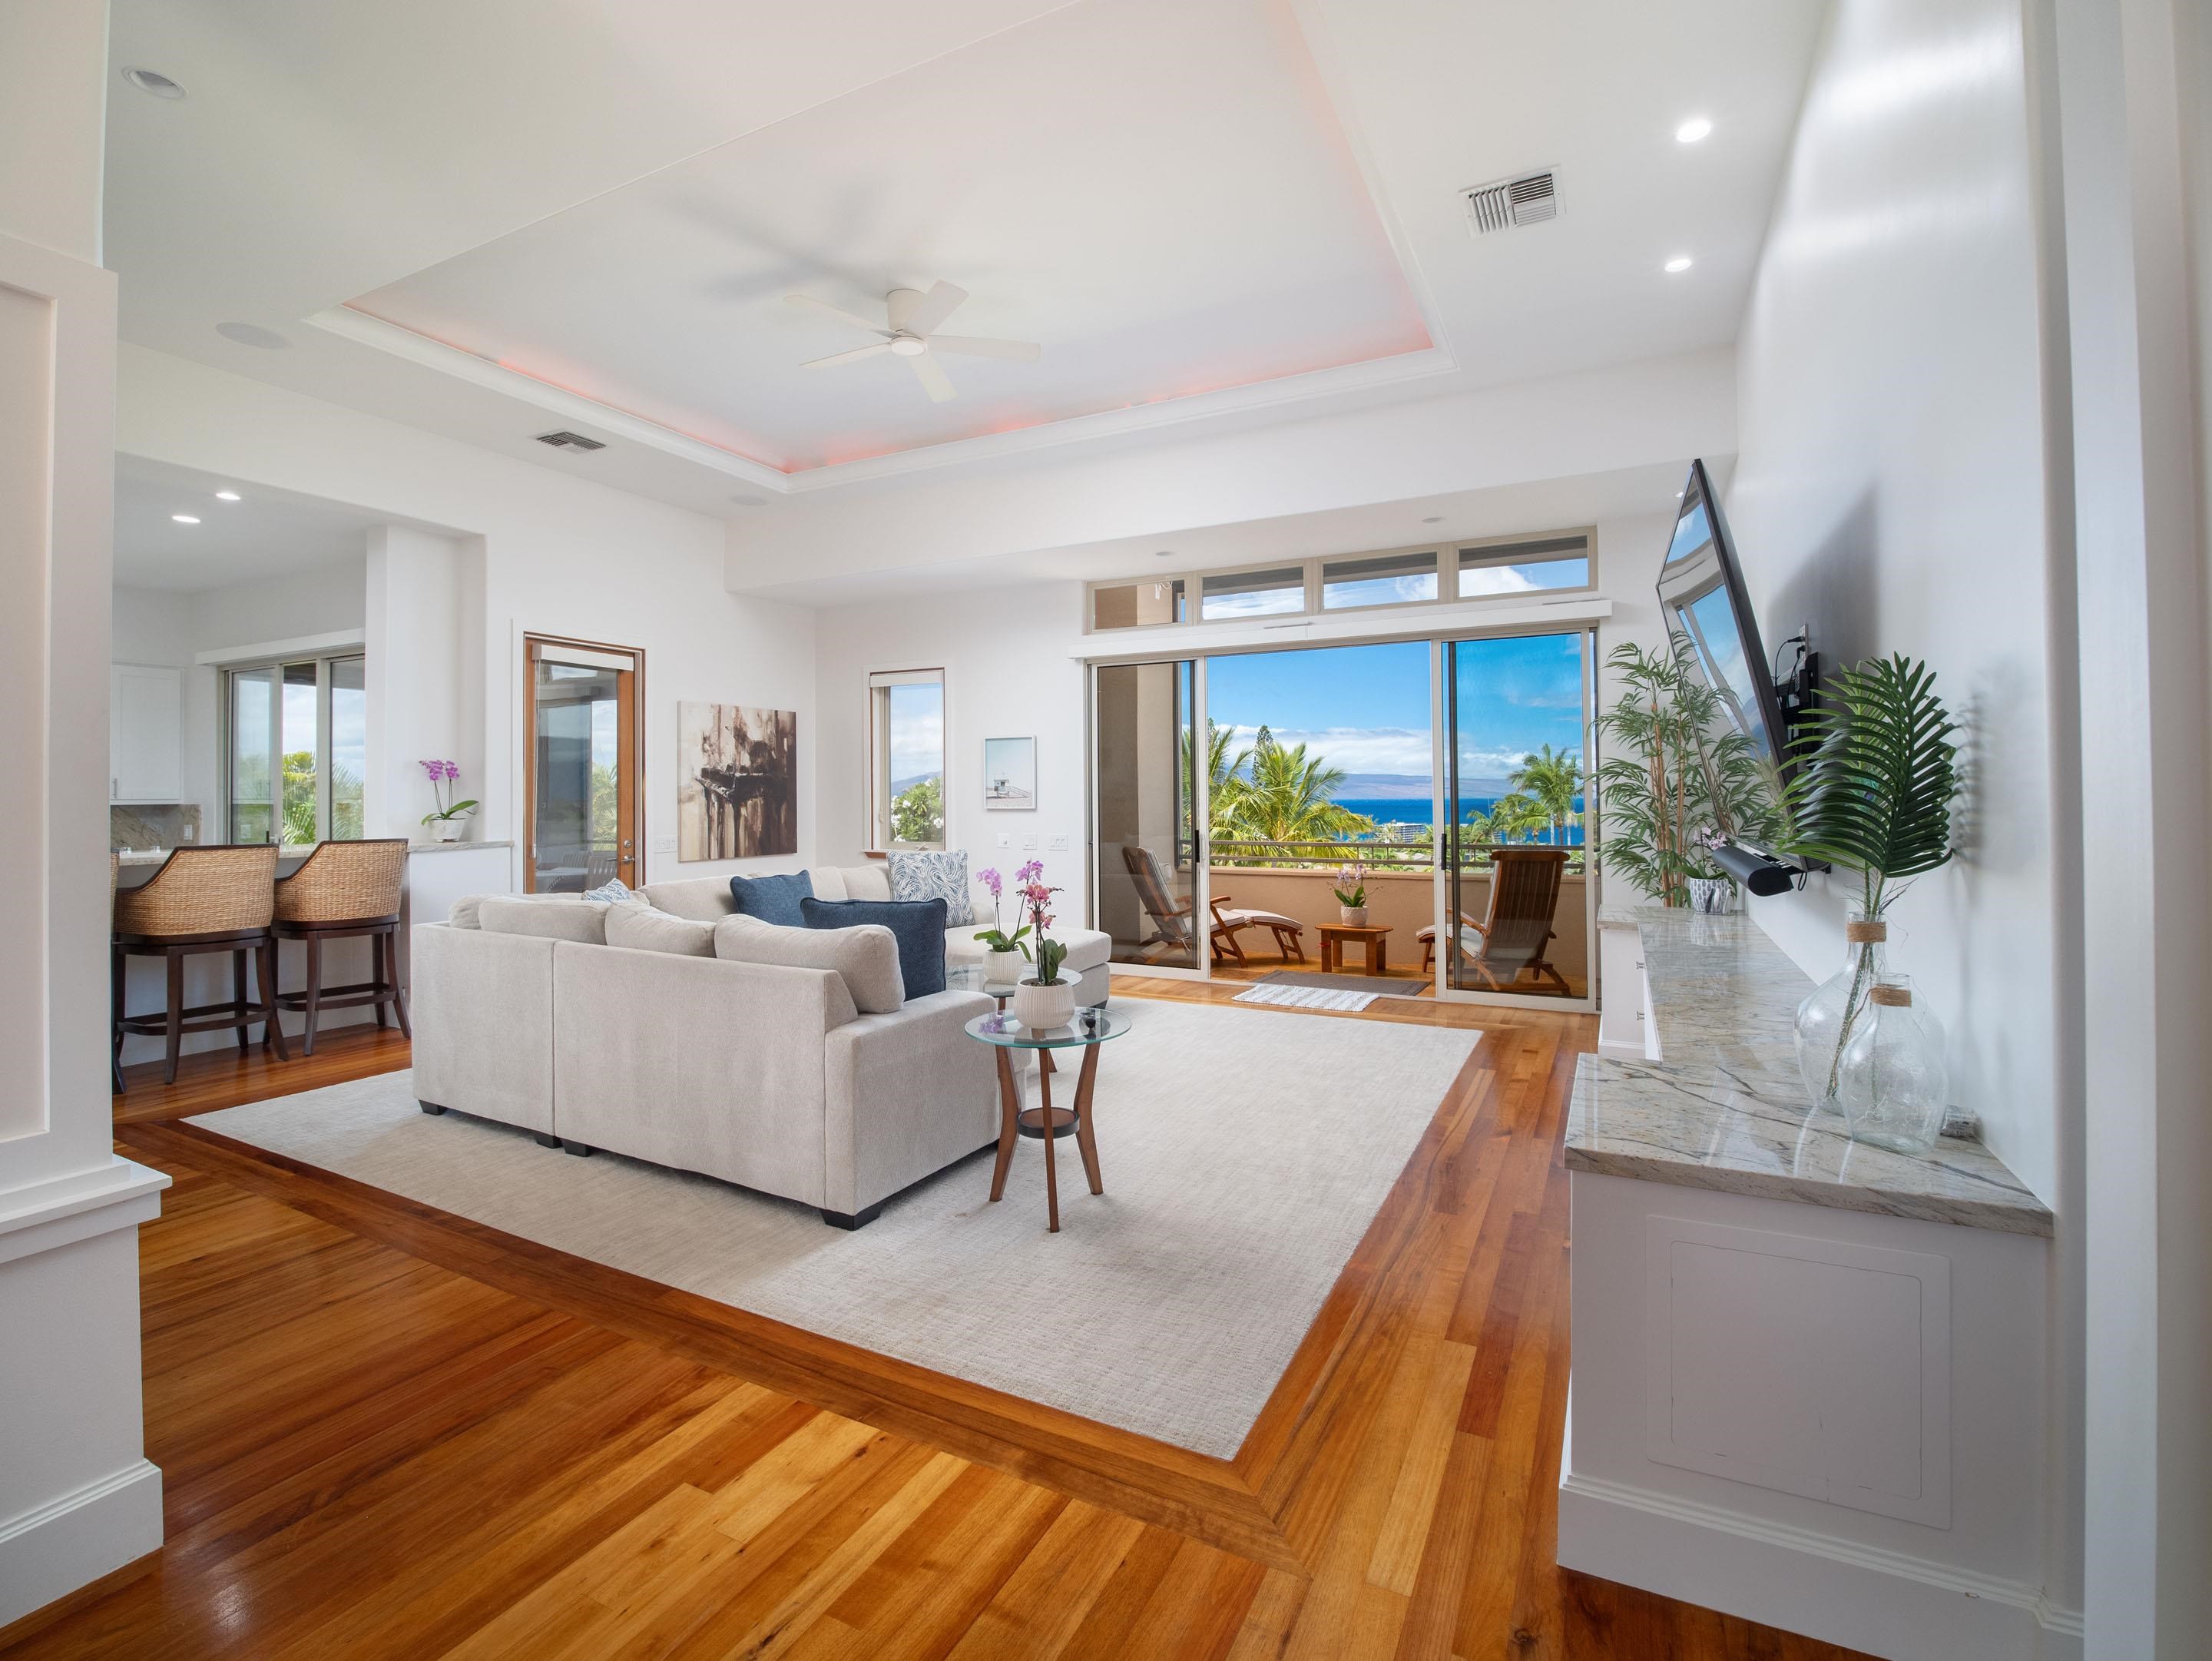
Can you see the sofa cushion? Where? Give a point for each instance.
(581, 919)
(772, 898)
(870, 881)
(465, 909)
(702, 899)
(917, 925)
(866, 959)
(642, 928)
(934, 874)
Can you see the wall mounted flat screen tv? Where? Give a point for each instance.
(1701, 595)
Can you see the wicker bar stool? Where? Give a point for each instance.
(342, 889)
(202, 899)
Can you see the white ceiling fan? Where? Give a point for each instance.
(914, 318)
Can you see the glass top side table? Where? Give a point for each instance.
(1091, 1029)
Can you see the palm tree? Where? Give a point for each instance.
(1550, 779)
(1288, 797)
(1224, 784)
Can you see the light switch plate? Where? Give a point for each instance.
(1028, 843)
(664, 844)
(1005, 839)
(1058, 844)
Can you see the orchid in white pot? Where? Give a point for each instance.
(1004, 953)
(1351, 895)
(1047, 998)
(449, 821)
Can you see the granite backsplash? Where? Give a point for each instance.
(145, 825)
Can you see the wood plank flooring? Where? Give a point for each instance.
(389, 1433)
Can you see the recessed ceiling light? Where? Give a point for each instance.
(1681, 262)
(153, 82)
(226, 496)
(183, 519)
(1692, 130)
(252, 334)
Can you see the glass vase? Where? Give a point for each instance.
(1892, 1083)
(1831, 1012)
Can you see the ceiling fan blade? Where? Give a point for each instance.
(939, 303)
(852, 357)
(836, 312)
(927, 371)
(1016, 351)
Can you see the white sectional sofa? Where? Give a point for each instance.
(708, 899)
(766, 1074)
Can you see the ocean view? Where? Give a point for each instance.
(1415, 810)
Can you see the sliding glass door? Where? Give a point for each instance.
(1516, 913)
(584, 761)
(1148, 795)
(295, 751)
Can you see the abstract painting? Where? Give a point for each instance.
(738, 797)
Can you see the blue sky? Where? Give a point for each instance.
(1366, 707)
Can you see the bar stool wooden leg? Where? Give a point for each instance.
(175, 1033)
(237, 994)
(398, 997)
(314, 989)
(115, 965)
(378, 976)
(272, 1018)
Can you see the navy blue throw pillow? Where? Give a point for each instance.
(918, 926)
(773, 899)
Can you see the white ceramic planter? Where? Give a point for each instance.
(1040, 1007)
(1352, 916)
(450, 829)
(1003, 968)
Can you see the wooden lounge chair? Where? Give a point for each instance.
(1171, 917)
(1511, 939)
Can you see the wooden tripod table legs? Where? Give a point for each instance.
(1048, 1120)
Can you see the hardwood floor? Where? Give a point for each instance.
(387, 1432)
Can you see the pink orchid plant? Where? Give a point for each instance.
(995, 938)
(1036, 895)
(1352, 885)
(444, 775)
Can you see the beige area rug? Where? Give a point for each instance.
(1245, 1154)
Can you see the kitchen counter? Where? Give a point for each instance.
(1723, 1108)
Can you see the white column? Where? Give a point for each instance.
(417, 640)
(78, 1498)
(2133, 107)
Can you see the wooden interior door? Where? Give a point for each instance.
(584, 765)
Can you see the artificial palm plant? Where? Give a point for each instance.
(1683, 780)
(1877, 774)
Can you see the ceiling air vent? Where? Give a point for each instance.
(566, 440)
(1529, 199)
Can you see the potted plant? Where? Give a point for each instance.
(1875, 779)
(1047, 998)
(450, 819)
(1683, 781)
(1003, 955)
(1351, 895)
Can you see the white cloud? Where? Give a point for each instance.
(1355, 749)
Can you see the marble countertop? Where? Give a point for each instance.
(155, 855)
(1724, 1108)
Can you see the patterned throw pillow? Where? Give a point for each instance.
(615, 891)
(917, 875)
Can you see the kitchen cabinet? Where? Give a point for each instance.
(145, 732)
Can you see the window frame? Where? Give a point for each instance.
(880, 798)
(1447, 555)
(227, 738)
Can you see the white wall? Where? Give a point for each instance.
(558, 556)
(1898, 489)
(78, 1499)
(1890, 491)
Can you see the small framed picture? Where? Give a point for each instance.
(1010, 774)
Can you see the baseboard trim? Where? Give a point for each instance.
(1840, 1591)
(51, 1550)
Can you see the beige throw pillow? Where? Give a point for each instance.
(642, 928)
(581, 919)
(865, 958)
(465, 912)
